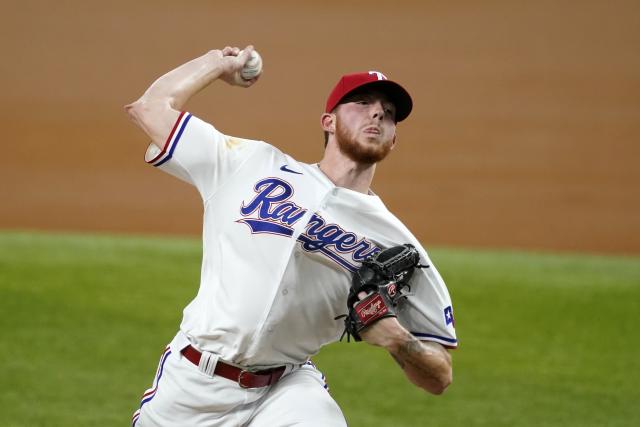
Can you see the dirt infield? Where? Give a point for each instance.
(525, 132)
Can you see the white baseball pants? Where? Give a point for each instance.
(183, 395)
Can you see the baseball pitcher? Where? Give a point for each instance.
(295, 256)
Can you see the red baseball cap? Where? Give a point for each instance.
(374, 80)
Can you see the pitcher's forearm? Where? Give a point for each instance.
(157, 110)
(177, 86)
(426, 364)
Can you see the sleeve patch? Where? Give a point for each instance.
(448, 317)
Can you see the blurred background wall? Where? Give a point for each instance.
(525, 131)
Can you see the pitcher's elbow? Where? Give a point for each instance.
(142, 112)
(135, 110)
(445, 382)
(439, 384)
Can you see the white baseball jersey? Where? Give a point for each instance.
(280, 243)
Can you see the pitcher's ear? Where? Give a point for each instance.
(328, 122)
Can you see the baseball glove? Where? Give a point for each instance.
(377, 287)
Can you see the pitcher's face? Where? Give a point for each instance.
(366, 127)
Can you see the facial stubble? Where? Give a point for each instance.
(361, 152)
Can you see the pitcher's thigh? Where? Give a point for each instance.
(299, 399)
(183, 396)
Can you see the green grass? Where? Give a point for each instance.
(545, 339)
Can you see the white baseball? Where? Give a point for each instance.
(253, 67)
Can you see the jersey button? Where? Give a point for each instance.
(285, 291)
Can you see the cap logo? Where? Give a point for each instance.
(378, 74)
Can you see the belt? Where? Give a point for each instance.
(245, 379)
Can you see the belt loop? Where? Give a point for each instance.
(208, 362)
